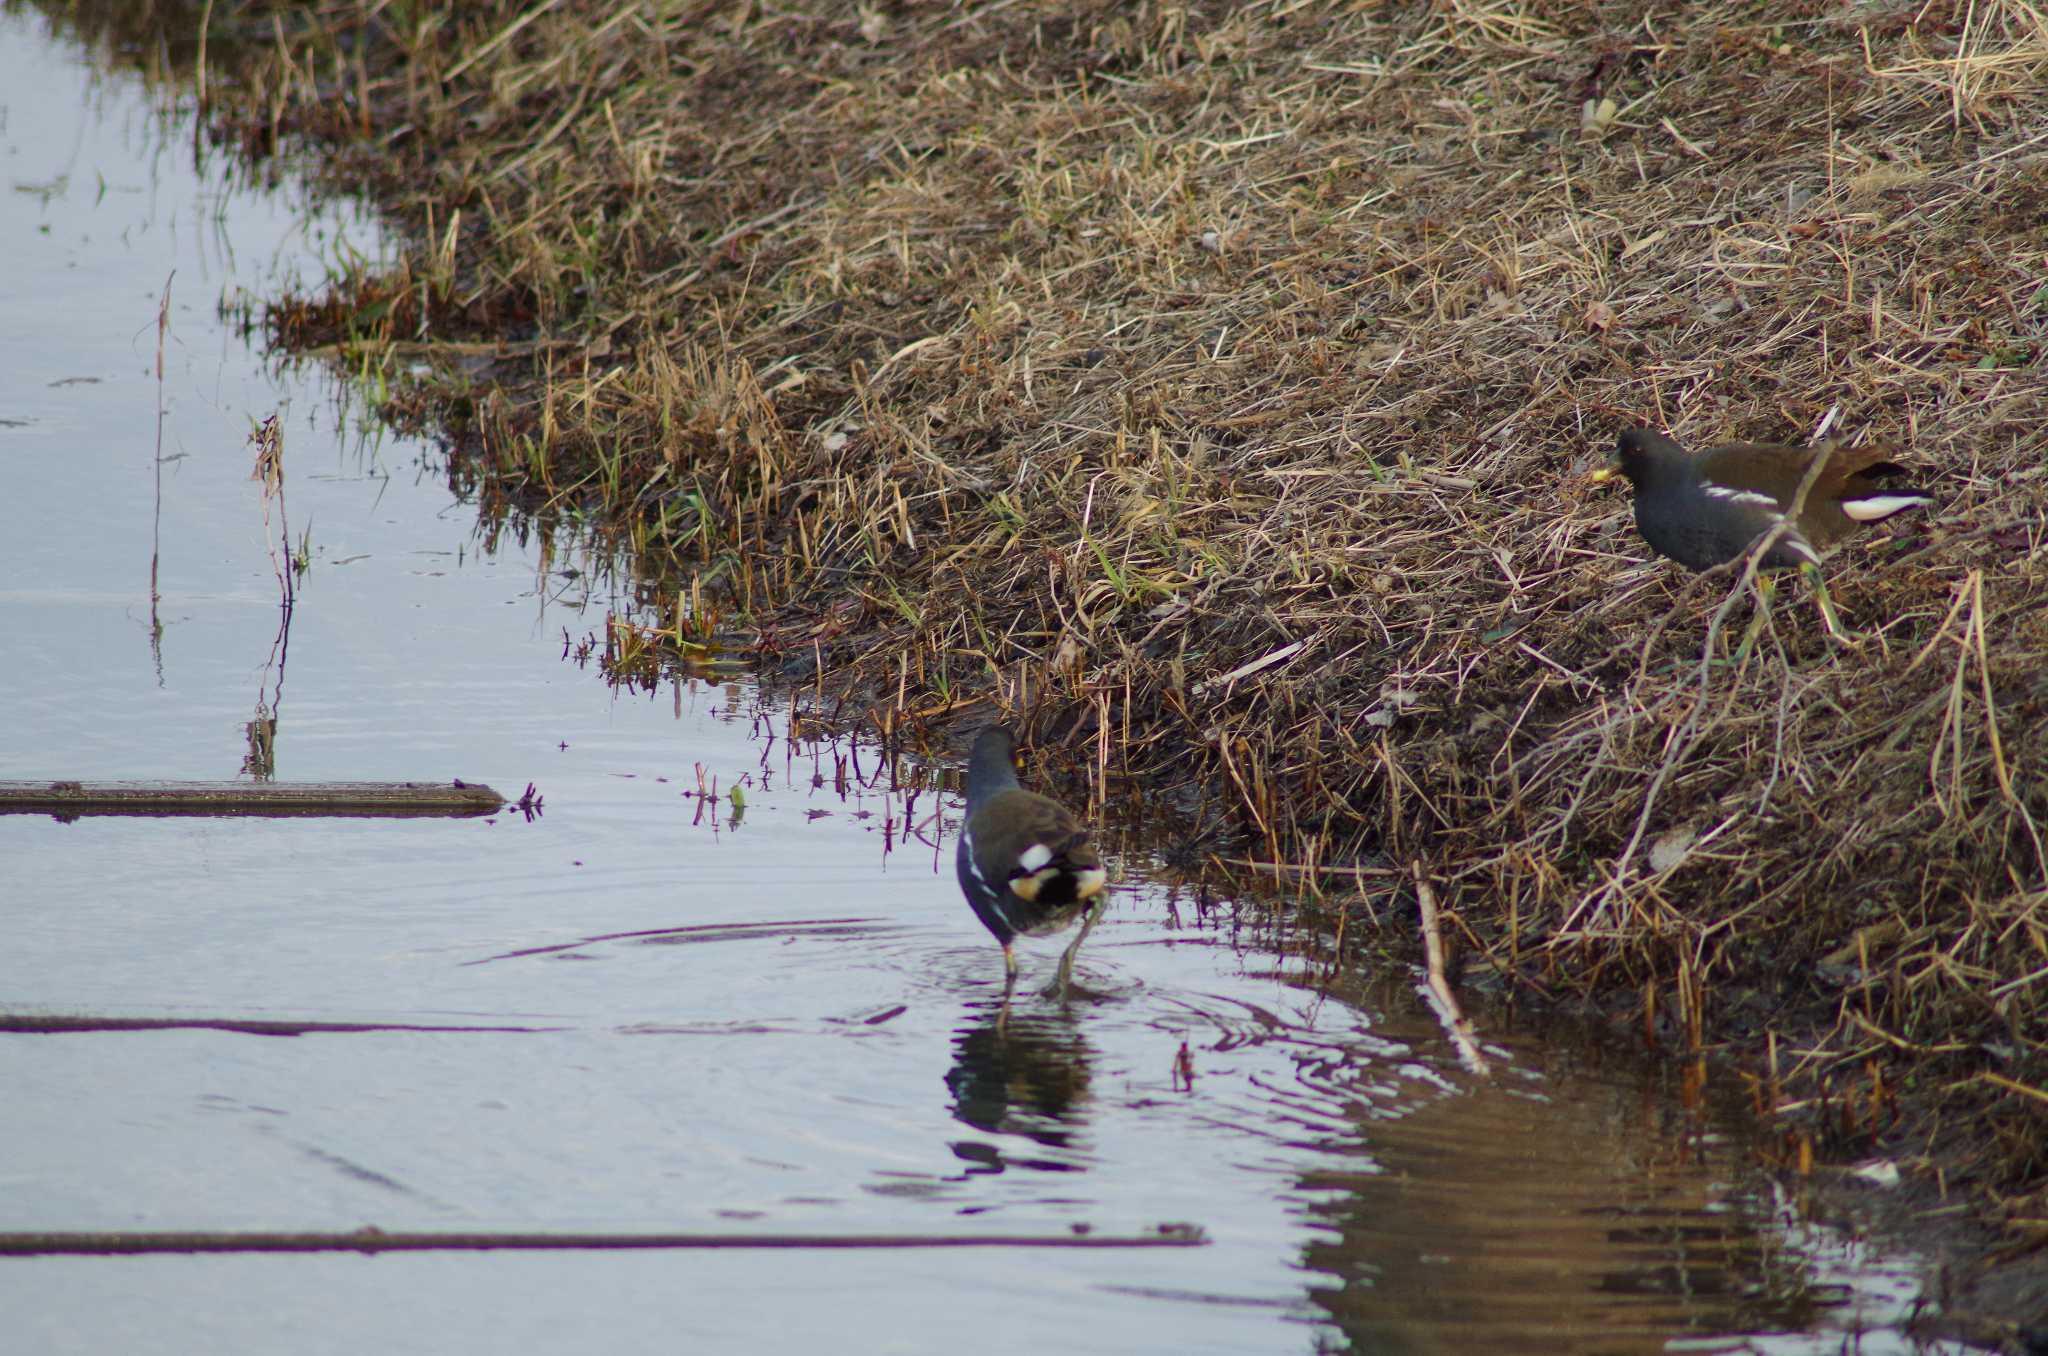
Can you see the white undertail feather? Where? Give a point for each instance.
(1032, 861)
(1872, 508)
(1086, 883)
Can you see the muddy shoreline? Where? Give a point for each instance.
(1225, 382)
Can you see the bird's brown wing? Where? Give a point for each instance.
(1853, 473)
(1776, 470)
(1873, 458)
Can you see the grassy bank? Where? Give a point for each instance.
(1228, 377)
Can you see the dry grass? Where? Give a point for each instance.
(1233, 370)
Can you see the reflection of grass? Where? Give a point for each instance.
(640, 656)
(1226, 376)
(45, 192)
(290, 561)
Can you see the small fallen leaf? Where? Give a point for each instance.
(1671, 849)
(1883, 1172)
(1393, 701)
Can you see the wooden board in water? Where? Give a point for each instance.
(66, 799)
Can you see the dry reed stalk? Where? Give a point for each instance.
(1437, 984)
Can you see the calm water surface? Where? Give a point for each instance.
(784, 1025)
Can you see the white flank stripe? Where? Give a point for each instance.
(1735, 496)
(1876, 506)
(1798, 546)
(973, 866)
(1035, 856)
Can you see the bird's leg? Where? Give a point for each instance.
(1066, 975)
(1009, 986)
(1764, 589)
(1836, 631)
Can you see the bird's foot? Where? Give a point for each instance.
(1837, 633)
(1756, 627)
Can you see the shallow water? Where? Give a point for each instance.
(785, 1025)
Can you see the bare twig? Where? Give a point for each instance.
(1437, 986)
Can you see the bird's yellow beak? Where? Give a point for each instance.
(1605, 474)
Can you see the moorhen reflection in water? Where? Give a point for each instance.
(1019, 1075)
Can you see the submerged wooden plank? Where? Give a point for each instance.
(354, 799)
(56, 1024)
(376, 1240)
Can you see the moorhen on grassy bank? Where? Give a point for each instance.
(1706, 509)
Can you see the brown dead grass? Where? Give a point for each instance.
(1231, 372)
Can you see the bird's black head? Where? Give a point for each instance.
(1639, 454)
(992, 763)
